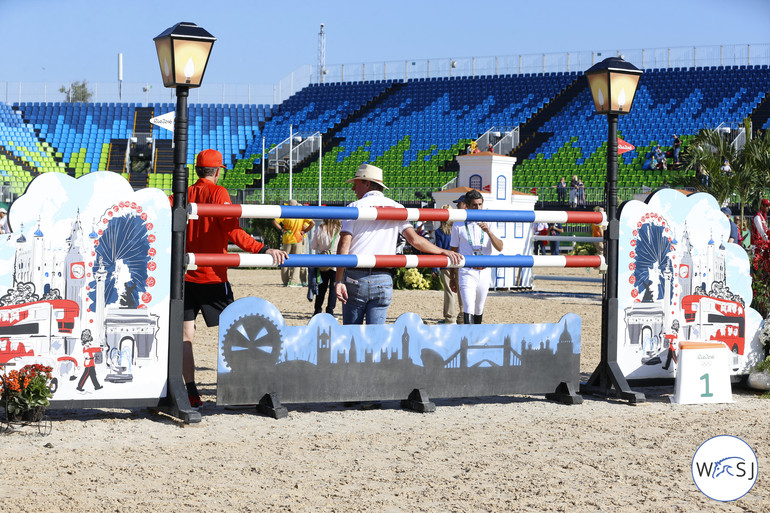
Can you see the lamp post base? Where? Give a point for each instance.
(177, 404)
(608, 381)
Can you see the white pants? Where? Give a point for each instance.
(474, 287)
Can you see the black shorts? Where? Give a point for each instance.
(209, 298)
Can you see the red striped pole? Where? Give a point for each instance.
(391, 261)
(394, 214)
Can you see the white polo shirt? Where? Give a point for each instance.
(374, 237)
(469, 239)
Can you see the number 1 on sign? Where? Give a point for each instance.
(706, 378)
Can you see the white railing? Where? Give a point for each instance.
(503, 139)
(398, 70)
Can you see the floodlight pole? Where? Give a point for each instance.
(320, 165)
(264, 156)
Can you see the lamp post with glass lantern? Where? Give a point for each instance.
(613, 84)
(183, 53)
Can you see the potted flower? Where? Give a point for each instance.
(25, 393)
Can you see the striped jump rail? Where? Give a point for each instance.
(370, 261)
(195, 210)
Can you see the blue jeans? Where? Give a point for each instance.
(369, 296)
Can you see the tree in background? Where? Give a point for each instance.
(749, 172)
(77, 92)
(745, 183)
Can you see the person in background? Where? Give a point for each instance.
(443, 238)
(660, 159)
(759, 223)
(460, 203)
(561, 190)
(726, 169)
(293, 241)
(473, 238)
(540, 229)
(4, 228)
(555, 229)
(207, 290)
(581, 193)
(324, 242)
(597, 230)
(677, 147)
(734, 234)
(573, 190)
(743, 232)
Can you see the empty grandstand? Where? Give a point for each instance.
(412, 128)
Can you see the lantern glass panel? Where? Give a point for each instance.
(623, 89)
(600, 91)
(191, 58)
(166, 60)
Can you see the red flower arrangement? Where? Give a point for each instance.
(26, 390)
(760, 282)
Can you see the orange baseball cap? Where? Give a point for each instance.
(209, 158)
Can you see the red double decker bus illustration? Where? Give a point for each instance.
(719, 320)
(36, 329)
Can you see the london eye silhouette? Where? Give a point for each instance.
(124, 239)
(652, 249)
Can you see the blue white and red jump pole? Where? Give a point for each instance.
(195, 210)
(371, 261)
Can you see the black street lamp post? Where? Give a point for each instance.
(183, 53)
(613, 83)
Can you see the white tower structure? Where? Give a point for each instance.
(75, 265)
(490, 174)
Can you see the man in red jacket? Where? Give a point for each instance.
(206, 288)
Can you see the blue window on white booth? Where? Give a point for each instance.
(475, 182)
(501, 187)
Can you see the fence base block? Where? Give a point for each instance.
(177, 404)
(418, 401)
(565, 394)
(270, 405)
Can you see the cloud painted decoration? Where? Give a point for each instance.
(679, 279)
(88, 261)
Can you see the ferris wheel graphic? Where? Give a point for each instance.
(651, 246)
(123, 247)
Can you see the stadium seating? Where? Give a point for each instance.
(413, 129)
(667, 102)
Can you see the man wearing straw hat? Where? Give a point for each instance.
(366, 293)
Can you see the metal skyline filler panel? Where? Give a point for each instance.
(328, 362)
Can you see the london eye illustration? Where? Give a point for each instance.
(125, 251)
(650, 251)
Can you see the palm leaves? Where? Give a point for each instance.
(750, 167)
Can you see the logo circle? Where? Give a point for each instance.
(724, 468)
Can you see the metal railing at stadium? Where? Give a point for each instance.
(401, 70)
